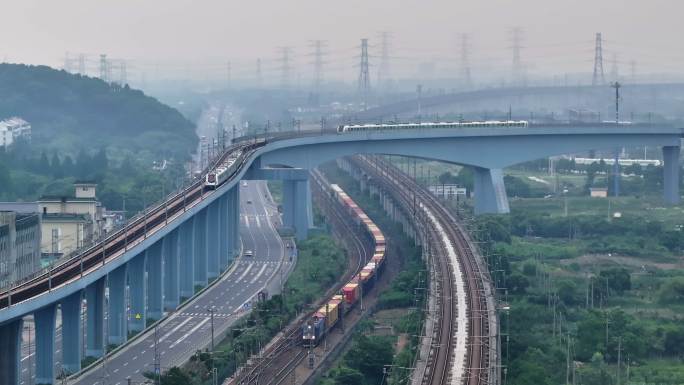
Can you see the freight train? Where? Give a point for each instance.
(323, 320)
(407, 126)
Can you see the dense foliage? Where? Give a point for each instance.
(73, 112)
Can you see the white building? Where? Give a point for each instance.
(12, 129)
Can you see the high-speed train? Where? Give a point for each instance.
(408, 126)
(228, 166)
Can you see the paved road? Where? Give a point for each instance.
(189, 329)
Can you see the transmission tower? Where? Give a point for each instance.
(384, 68)
(123, 75)
(599, 77)
(518, 71)
(228, 74)
(259, 79)
(104, 68)
(285, 68)
(465, 62)
(318, 53)
(81, 64)
(614, 74)
(364, 79)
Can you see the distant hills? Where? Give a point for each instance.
(70, 113)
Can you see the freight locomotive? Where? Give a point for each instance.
(408, 126)
(323, 320)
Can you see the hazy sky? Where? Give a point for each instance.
(558, 34)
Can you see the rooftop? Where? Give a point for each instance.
(63, 217)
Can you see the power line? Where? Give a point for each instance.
(259, 78)
(599, 76)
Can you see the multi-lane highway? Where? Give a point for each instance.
(189, 328)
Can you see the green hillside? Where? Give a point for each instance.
(71, 112)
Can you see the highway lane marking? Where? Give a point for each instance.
(246, 221)
(258, 223)
(125, 364)
(192, 331)
(180, 325)
(245, 272)
(263, 267)
(27, 356)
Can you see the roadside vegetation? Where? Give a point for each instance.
(320, 263)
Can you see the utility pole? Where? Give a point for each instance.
(384, 69)
(213, 366)
(364, 79)
(157, 364)
(285, 69)
(616, 165)
(518, 71)
(465, 62)
(599, 76)
(619, 359)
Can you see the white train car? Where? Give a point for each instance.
(433, 125)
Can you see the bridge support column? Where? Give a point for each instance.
(234, 221)
(671, 174)
(490, 192)
(95, 302)
(222, 228)
(45, 344)
(200, 237)
(116, 316)
(10, 352)
(137, 289)
(187, 258)
(212, 226)
(297, 212)
(72, 333)
(155, 279)
(171, 280)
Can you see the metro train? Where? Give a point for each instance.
(407, 126)
(323, 320)
(228, 166)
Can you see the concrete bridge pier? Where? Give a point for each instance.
(172, 276)
(72, 332)
(490, 192)
(137, 287)
(95, 302)
(45, 344)
(297, 207)
(233, 223)
(200, 243)
(187, 252)
(213, 264)
(117, 327)
(224, 255)
(155, 280)
(10, 352)
(671, 174)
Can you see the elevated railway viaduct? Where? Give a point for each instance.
(189, 238)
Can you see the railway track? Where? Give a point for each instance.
(442, 361)
(116, 244)
(285, 353)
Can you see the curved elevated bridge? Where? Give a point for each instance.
(191, 237)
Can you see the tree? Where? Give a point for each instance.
(567, 291)
(518, 283)
(672, 292)
(345, 375)
(618, 279)
(56, 166)
(369, 355)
